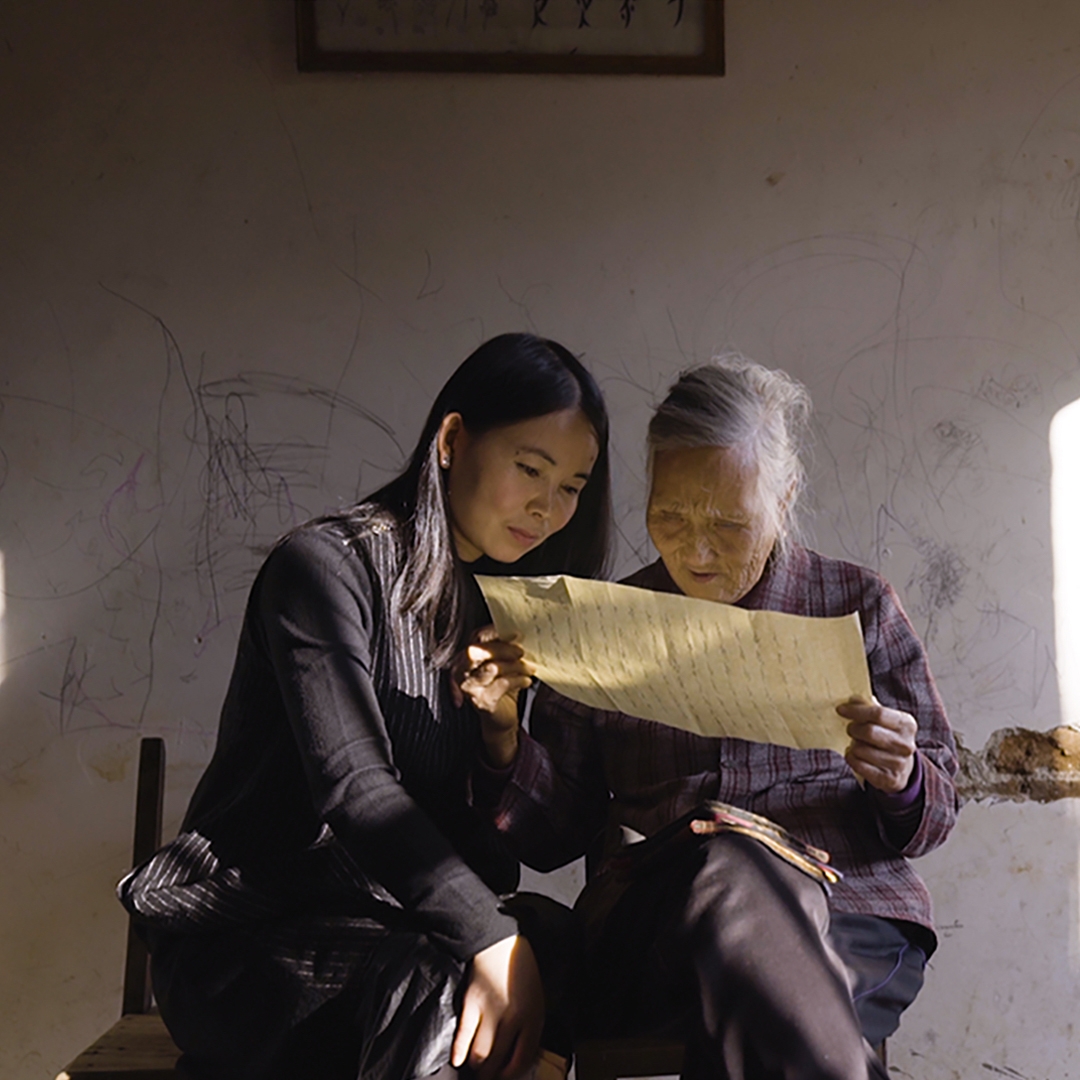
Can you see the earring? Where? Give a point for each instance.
(445, 463)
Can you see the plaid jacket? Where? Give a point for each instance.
(582, 768)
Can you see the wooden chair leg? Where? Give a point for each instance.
(138, 1046)
(149, 801)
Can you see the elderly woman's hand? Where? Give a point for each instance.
(882, 749)
(490, 673)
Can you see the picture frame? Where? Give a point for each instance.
(613, 37)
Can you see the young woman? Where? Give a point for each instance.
(331, 906)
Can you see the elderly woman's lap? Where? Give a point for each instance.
(727, 938)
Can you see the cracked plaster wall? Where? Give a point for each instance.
(228, 294)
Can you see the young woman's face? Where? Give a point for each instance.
(511, 488)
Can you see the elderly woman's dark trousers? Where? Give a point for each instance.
(728, 943)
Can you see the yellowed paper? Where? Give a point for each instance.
(706, 667)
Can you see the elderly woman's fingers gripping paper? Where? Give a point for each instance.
(882, 750)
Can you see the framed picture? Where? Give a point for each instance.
(657, 37)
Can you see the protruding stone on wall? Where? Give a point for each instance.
(1021, 765)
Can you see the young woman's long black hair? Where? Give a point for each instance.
(512, 377)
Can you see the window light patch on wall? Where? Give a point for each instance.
(1065, 526)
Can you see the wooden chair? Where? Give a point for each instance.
(137, 1046)
(639, 1055)
(610, 1059)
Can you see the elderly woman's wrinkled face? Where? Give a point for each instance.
(712, 525)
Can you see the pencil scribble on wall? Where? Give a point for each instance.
(1037, 224)
(145, 541)
(926, 476)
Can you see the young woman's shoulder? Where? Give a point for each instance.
(372, 533)
(364, 539)
(361, 527)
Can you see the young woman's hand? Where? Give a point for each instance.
(491, 673)
(502, 1013)
(882, 749)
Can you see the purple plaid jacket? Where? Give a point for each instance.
(581, 768)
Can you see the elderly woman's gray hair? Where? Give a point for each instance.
(735, 403)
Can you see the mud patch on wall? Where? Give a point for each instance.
(110, 764)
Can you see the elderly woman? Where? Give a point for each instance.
(766, 973)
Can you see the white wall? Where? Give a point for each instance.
(222, 282)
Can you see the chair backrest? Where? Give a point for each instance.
(149, 800)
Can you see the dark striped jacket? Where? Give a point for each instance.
(340, 778)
